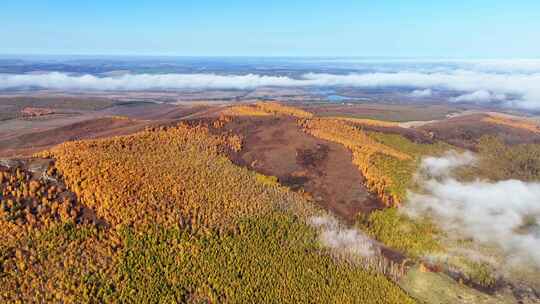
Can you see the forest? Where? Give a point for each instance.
(176, 221)
(165, 215)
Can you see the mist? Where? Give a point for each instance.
(421, 93)
(341, 239)
(481, 96)
(503, 213)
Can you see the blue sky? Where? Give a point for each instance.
(475, 28)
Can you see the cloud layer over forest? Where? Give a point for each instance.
(505, 213)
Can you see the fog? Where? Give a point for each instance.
(342, 239)
(504, 213)
(421, 93)
(481, 96)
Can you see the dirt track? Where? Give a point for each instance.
(277, 147)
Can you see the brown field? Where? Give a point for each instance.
(27, 144)
(18, 103)
(22, 135)
(465, 131)
(153, 111)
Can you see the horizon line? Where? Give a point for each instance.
(15, 55)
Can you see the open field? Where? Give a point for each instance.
(74, 119)
(27, 144)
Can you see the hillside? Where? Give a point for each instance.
(174, 220)
(255, 203)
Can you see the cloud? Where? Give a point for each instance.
(505, 213)
(421, 93)
(441, 166)
(343, 240)
(507, 65)
(136, 82)
(481, 96)
(522, 85)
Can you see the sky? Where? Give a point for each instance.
(413, 28)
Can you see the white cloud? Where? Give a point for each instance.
(480, 65)
(440, 166)
(479, 96)
(421, 93)
(507, 65)
(504, 213)
(341, 239)
(523, 85)
(142, 81)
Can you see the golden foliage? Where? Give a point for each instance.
(119, 117)
(366, 121)
(221, 121)
(183, 225)
(173, 175)
(349, 136)
(43, 258)
(60, 263)
(27, 202)
(506, 120)
(364, 150)
(387, 161)
(235, 142)
(279, 109)
(245, 110)
(265, 109)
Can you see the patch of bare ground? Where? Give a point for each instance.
(154, 111)
(465, 131)
(27, 144)
(23, 137)
(276, 146)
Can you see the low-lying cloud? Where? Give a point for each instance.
(442, 166)
(506, 65)
(421, 93)
(136, 82)
(479, 85)
(341, 239)
(481, 96)
(505, 213)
